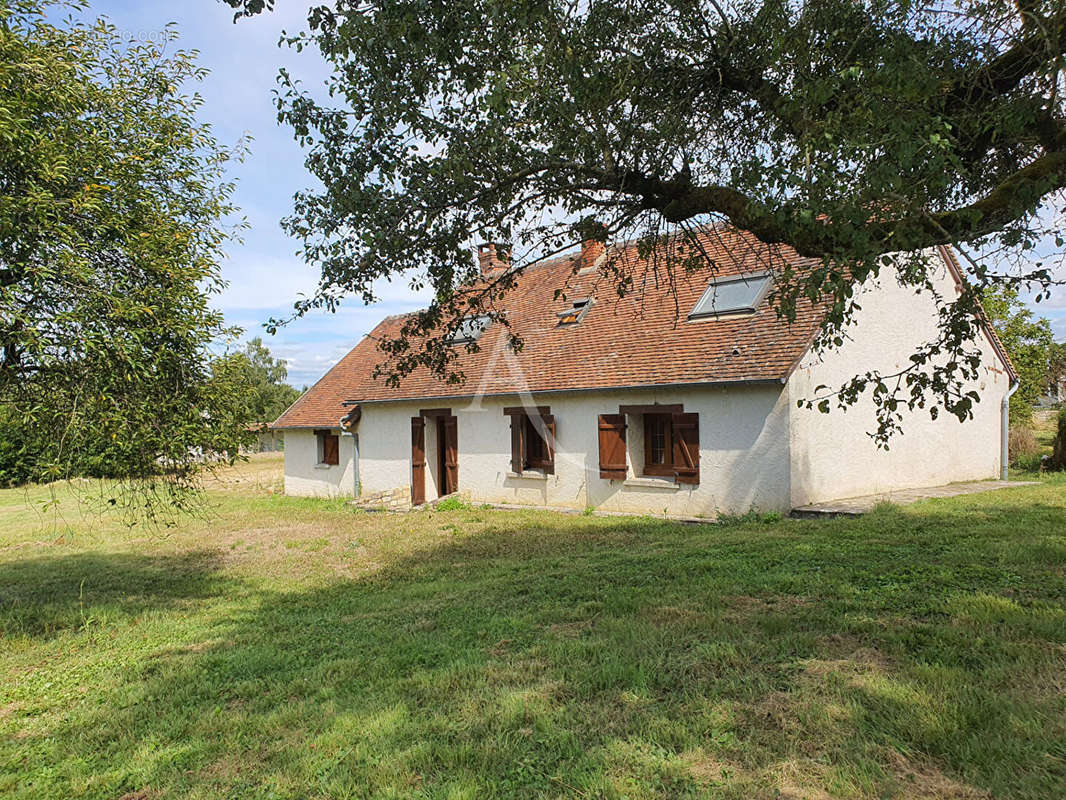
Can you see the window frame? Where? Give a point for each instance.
(576, 313)
(469, 330)
(523, 457)
(756, 301)
(665, 468)
(541, 457)
(321, 434)
(681, 447)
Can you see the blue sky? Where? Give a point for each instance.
(265, 275)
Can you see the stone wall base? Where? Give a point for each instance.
(398, 499)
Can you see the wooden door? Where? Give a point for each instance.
(418, 461)
(450, 446)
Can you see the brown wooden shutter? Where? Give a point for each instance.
(612, 428)
(518, 424)
(418, 461)
(331, 449)
(549, 443)
(687, 447)
(451, 454)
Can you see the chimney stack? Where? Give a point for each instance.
(493, 256)
(593, 252)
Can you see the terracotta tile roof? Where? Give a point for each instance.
(643, 339)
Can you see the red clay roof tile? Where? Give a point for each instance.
(642, 339)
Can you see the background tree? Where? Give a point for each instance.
(1056, 369)
(1028, 340)
(845, 129)
(112, 202)
(270, 394)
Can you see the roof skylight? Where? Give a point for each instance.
(739, 295)
(576, 312)
(469, 330)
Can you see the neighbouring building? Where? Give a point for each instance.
(680, 398)
(268, 439)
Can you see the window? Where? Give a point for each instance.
(576, 312)
(536, 455)
(328, 448)
(658, 447)
(740, 295)
(532, 439)
(469, 330)
(671, 443)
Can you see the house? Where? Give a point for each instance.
(268, 439)
(1055, 394)
(680, 398)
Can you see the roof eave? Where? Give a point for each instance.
(773, 381)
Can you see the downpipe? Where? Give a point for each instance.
(1004, 425)
(346, 431)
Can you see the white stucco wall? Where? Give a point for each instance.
(304, 477)
(743, 452)
(757, 449)
(832, 455)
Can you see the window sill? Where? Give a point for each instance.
(529, 474)
(325, 466)
(652, 483)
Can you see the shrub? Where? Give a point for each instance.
(1030, 463)
(1058, 452)
(1022, 445)
(452, 504)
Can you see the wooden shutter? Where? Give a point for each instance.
(612, 429)
(549, 443)
(451, 455)
(518, 424)
(686, 436)
(331, 449)
(418, 461)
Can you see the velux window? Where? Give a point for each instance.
(469, 330)
(577, 311)
(532, 439)
(735, 295)
(329, 447)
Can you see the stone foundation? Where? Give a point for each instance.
(398, 499)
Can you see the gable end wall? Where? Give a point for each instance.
(832, 455)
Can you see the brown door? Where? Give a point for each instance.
(450, 450)
(418, 461)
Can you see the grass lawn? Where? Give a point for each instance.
(286, 648)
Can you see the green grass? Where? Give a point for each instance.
(298, 649)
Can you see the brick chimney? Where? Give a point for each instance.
(492, 256)
(593, 252)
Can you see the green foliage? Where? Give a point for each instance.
(249, 8)
(452, 504)
(270, 395)
(846, 129)
(1022, 447)
(111, 231)
(1058, 451)
(1028, 340)
(1057, 369)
